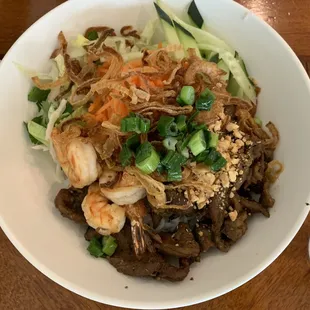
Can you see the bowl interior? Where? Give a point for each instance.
(57, 247)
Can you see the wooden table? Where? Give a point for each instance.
(283, 285)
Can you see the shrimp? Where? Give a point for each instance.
(99, 214)
(136, 212)
(128, 190)
(77, 156)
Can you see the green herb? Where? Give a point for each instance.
(92, 35)
(197, 143)
(147, 158)
(174, 174)
(186, 96)
(95, 247)
(205, 100)
(38, 95)
(109, 245)
(172, 163)
(135, 123)
(166, 126)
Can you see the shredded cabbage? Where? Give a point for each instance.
(52, 75)
(148, 31)
(53, 119)
(80, 41)
(60, 61)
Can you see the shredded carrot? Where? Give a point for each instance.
(160, 45)
(186, 64)
(95, 106)
(112, 107)
(133, 64)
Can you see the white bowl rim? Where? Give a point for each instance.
(187, 301)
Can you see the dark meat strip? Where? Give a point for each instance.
(266, 199)
(235, 230)
(181, 244)
(149, 265)
(246, 162)
(69, 201)
(253, 206)
(203, 235)
(91, 233)
(172, 273)
(217, 207)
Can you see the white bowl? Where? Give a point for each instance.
(56, 246)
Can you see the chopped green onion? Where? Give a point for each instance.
(147, 158)
(258, 121)
(192, 117)
(197, 143)
(205, 100)
(38, 95)
(125, 155)
(92, 35)
(173, 159)
(214, 139)
(212, 156)
(95, 247)
(186, 96)
(174, 174)
(185, 152)
(219, 164)
(170, 143)
(133, 142)
(181, 122)
(166, 126)
(109, 245)
(135, 123)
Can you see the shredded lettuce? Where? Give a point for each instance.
(60, 62)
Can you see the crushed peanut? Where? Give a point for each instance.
(231, 127)
(233, 215)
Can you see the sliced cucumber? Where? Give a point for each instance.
(221, 64)
(233, 88)
(170, 32)
(200, 35)
(238, 73)
(195, 16)
(186, 39)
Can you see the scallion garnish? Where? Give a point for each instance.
(169, 143)
(166, 126)
(205, 100)
(95, 247)
(147, 158)
(181, 122)
(197, 143)
(214, 139)
(135, 123)
(133, 142)
(172, 163)
(125, 155)
(219, 164)
(174, 174)
(109, 245)
(186, 96)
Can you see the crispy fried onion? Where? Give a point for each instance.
(156, 106)
(113, 129)
(172, 75)
(155, 190)
(210, 117)
(128, 31)
(112, 56)
(49, 85)
(249, 126)
(199, 66)
(79, 100)
(273, 171)
(97, 29)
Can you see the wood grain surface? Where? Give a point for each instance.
(283, 285)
